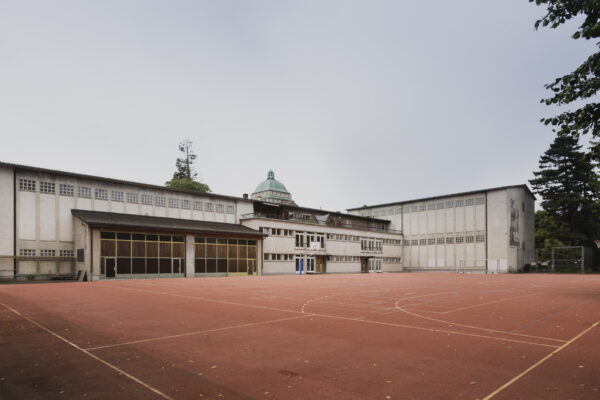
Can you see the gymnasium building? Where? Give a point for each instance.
(60, 225)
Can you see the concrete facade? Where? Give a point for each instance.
(491, 230)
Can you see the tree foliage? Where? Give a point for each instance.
(568, 185)
(583, 83)
(185, 175)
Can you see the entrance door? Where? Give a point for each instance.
(364, 264)
(250, 267)
(320, 265)
(310, 265)
(375, 265)
(110, 266)
(176, 263)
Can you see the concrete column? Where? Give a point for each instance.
(95, 267)
(190, 255)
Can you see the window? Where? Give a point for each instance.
(220, 208)
(414, 208)
(230, 209)
(469, 202)
(479, 201)
(407, 242)
(422, 207)
(449, 204)
(185, 204)
(208, 207)
(198, 205)
(449, 240)
(460, 239)
(459, 203)
(398, 210)
(173, 203)
(275, 231)
(147, 199)
(431, 206)
(266, 256)
(414, 242)
(47, 187)
(116, 195)
(160, 201)
(469, 239)
(27, 252)
(480, 238)
(292, 216)
(430, 241)
(299, 239)
(66, 190)
(47, 253)
(422, 242)
(441, 241)
(101, 194)
(440, 206)
(84, 191)
(133, 198)
(306, 217)
(66, 253)
(27, 184)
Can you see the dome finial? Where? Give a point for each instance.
(271, 174)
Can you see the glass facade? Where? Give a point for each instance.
(223, 255)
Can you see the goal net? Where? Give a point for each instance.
(568, 259)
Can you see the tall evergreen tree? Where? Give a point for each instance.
(185, 175)
(568, 185)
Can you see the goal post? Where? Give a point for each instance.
(567, 258)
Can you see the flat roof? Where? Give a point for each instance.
(527, 190)
(110, 219)
(120, 181)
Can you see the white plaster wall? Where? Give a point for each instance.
(497, 226)
(6, 222)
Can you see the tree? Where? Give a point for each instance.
(568, 185)
(583, 83)
(185, 175)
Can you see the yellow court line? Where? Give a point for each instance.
(431, 329)
(196, 332)
(114, 367)
(516, 378)
(475, 327)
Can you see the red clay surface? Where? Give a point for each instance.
(384, 336)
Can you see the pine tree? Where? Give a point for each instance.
(185, 175)
(568, 184)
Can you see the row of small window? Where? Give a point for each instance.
(278, 257)
(45, 253)
(371, 245)
(448, 240)
(343, 259)
(276, 231)
(430, 206)
(392, 260)
(345, 238)
(116, 195)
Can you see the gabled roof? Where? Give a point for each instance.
(119, 181)
(115, 220)
(524, 187)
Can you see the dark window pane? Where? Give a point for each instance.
(107, 235)
(200, 266)
(102, 261)
(178, 250)
(138, 236)
(176, 266)
(251, 252)
(165, 238)
(244, 242)
(251, 242)
(211, 251)
(123, 249)
(242, 265)
(232, 251)
(222, 241)
(139, 249)
(221, 251)
(108, 248)
(242, 251)
(165, 250)
(123, 265)
(165, 266)
(211, 265)
(124, 236)
(222, 265)
(138, 266)
(211, 240)
(151, 249)
(152, 266)
(232, 265)
(178, 239)
(200, 251)
(232, 241)
(200, 240)
(152, 238)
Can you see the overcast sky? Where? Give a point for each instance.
(349, 102)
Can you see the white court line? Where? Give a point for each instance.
(114, 367)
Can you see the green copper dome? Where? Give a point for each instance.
(271, 184)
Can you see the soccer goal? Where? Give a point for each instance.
(568, 258)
